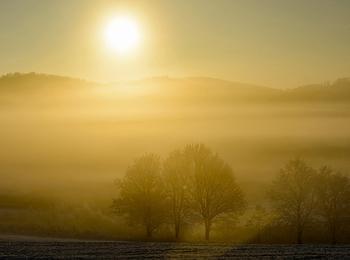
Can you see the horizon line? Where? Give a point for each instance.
(161, 77)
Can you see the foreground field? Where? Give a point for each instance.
(22, 248)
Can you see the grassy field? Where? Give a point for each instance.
(56, 249)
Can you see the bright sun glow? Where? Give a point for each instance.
(122, 35)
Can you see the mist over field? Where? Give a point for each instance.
(192, 129)
(64, 141)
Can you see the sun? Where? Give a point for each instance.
(122, 35)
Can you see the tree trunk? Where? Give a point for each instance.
(299, 227)
(207, 229)
(299, 235)
(333, 234)
(258, 237)
(149, 232)
(177, 231)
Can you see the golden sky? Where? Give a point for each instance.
(277, 43)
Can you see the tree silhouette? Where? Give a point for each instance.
(141, 194)
(293, 195)
(214, 192)
(333, 200)
(175, 174)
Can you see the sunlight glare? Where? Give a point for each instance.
(122, 35)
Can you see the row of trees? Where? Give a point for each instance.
(195, 185)
(301, 196)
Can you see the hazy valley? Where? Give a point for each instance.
(69, 139)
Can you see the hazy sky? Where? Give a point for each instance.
(278, 43)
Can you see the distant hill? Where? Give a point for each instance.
(192, 90)
(27, 88)
(339, 90)
(31, 82)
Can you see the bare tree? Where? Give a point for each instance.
(293, 195)
(333, 197)
(175, 172)
(214, 192)
(141, 194)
